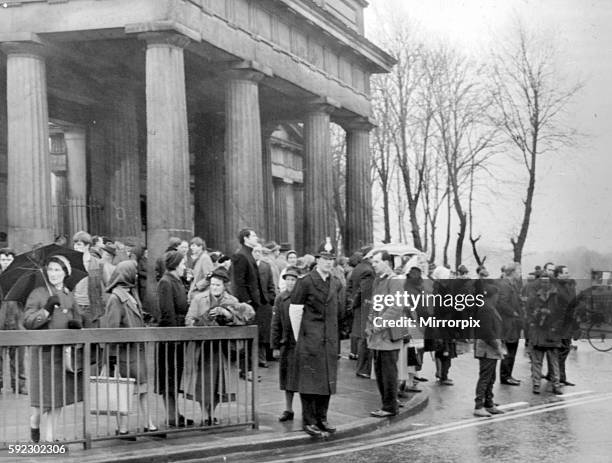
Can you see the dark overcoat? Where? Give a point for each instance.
(263, 315)
(282, 338)
(509, 307)
(245, 278)
(360, 285)
(317, 343)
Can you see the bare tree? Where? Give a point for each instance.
(461, 107)
(382, 153)
(338, 144)
(530, 98)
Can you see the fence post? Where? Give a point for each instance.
(86, 398)
(255, 382)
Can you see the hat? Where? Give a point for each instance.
(63, 262)
(220, 273)
(285, 247)
(172, 259)
(414, 267)
(291, 272)
(272, 246)
(111, 249)
(329, 253)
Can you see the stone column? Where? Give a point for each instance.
(123, 169)
(3, 163)
(358, 185)
(76, 174)
(244, 193)
(209, 195)
(280, 210)
(318, 195)
(268, 184)
(29, 177)
(168, 204)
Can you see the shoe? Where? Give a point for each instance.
(567, 383)
(481, 413)
(536, 389)
(557, 391)
(35, 434)
(546, 377)
(182, 422)
(209, 422)
(263, 365)
(494, 410)
(155, 429)
(403, 395)
(511, 382)
(414, 389)
(514, 379)
(447, 382)
(363, 375)
(24, 391)
(286, 416)
(423, 380)
(353, 356)
(381, 413)
(125, 435)
(325, 426)
(312, 430)
(249, 376)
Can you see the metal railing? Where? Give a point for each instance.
(147, 381)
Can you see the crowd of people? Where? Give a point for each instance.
(303, 307)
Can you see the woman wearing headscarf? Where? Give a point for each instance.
(124, 310)
(215, 376)
(172, 302)
(51, 307)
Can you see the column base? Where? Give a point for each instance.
(22, 239)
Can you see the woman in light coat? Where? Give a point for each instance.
(52, 387)
(209, 374)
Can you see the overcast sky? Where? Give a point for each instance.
(573, 204)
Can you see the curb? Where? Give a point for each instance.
(261, 441)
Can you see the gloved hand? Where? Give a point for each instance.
(52, 303)
(74, 325)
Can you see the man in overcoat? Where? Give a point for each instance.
(245, 274)
(509, 307)
(263, 316)
(360, 285)
(319, 295)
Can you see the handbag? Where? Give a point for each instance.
(73, 358)
(110, 395)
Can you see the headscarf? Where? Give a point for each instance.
(172, 259)
(63, 262)
(124, 275)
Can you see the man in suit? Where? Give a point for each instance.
(245, 273)
(263, 315)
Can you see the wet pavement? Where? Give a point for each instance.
(544, 428)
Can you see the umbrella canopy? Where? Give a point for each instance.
(26, 272)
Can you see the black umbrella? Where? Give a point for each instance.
(26, 272)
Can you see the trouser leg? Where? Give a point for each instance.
(385, 367)
(445, 364)
(309, 409)
(507, 363)
(491, 367)
(552, 355)
(484, 386)
(321, 407)
(364, 363)
(537, 358)
(563, 353)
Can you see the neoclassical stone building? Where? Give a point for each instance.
(114, 113)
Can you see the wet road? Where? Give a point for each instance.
(545, 428)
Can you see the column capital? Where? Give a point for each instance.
(365, 124)
(22, 44)
(322, 104)
(171, 39)
(248, 70)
